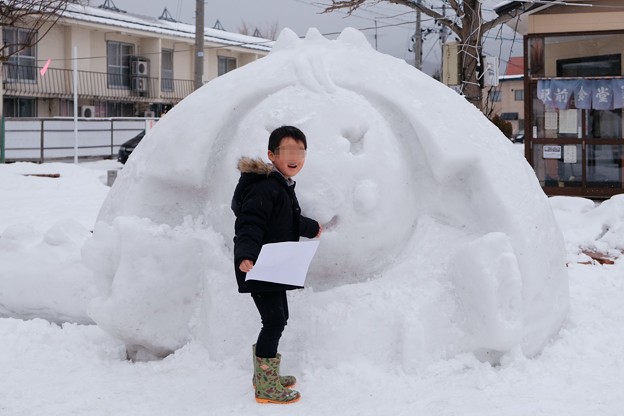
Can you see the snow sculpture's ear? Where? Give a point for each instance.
(354, 38)
(287, 40)
(314, 35)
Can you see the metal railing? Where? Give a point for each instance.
(26, 81)
(45, 139)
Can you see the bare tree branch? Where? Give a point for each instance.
(466, 22)
(267, 30)
(350, 5)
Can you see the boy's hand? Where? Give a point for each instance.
(245, 266)
(320, 230)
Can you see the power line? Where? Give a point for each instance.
(354, 14)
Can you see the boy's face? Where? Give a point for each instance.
(288, 157)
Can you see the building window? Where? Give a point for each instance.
(20, 107)
(166, 71)
(22, 62)
(65, 108)
(226, 64)
(496, 95)
(120, 110)
(519, 95)
(118, 61)
(509, 116)
(590, 66)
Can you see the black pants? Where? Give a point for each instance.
(273, 308)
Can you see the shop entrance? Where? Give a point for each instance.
(576, 140)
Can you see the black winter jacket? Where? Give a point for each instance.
(267, 211)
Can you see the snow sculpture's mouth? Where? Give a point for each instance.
(331, 224)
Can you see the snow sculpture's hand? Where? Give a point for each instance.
(245, 266)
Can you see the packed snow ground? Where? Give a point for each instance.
(77, 369)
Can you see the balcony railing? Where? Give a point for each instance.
(59, 83)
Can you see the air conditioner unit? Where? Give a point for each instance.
(139, 84)
(140, 67)
(149, 114)
(490, 74)
(87, 111)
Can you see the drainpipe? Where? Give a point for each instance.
(1, 138)
(1, 110)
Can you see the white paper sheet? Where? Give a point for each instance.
(285, 263)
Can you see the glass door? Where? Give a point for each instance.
(575, 139)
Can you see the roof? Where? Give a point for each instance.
(515, 66)
(163, 27)
(530, 5)
(509, 6)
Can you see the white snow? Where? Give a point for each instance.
(460, 282)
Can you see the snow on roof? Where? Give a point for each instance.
(510, 77)
(163, 27)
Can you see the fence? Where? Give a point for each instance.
(44, 139)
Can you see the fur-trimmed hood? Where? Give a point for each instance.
(257, 166)
(252, 171)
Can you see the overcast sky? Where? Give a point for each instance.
(395, 24)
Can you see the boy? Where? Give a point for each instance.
(267, 211)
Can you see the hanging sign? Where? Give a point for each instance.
(597, 94)
(552, 152)
(569, 153)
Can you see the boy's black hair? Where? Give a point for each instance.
(286, 131)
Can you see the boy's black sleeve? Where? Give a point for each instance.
(252, 224)
(308, 227)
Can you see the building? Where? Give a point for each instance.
(507, 98)
(574, 94)
(128, 65)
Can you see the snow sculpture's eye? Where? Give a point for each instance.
(355, 136)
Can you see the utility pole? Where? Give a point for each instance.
(199, 43)
(443, 37)
(418, 41)
(376, 34)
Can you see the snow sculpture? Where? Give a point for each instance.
(439, 238)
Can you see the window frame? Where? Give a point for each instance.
(120, 63)
(224, 64)
(13, 105)
(496, 96)
(166, 74)
(22, 63)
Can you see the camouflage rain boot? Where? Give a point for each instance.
(268, 387)
(285, 381)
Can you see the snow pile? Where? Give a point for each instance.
(589, 226)
(45, 222)
(50, 280)
(440, 239)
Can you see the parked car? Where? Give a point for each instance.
(126, 149)
(518, 138)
